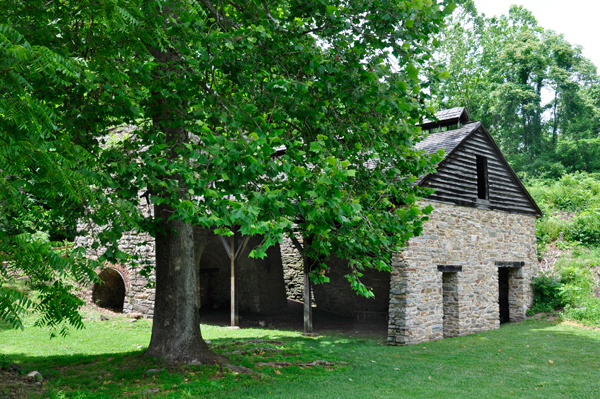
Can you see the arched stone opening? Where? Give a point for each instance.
(110, 294)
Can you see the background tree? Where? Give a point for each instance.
(252, 116)
(528, 85)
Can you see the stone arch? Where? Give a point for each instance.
(110, 293)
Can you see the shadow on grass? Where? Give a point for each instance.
(127, 374)
(512, 361)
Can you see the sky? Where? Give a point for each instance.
(578, 20)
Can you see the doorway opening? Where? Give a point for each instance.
(503, 288)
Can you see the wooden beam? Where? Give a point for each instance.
(234, 315)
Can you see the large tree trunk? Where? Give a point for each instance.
(176, 336)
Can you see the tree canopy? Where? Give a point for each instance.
(261, 117)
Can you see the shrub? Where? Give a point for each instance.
(573, 287)
(588, 312)
(577, 285)
(547, 294)
(586, 228)
(548, 229)
(575, 192)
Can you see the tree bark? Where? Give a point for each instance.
(176, 336)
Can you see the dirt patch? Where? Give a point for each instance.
(576, 324)
(545, 316)
(14, 385)
(550, 257)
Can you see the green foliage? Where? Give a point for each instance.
(548, 228)
(569, 205)
(573, 288)
(586, 228)
(500, 66)
(579, 154)
(269, 117)
(577, 285)
(47, 179)
(588, 312)
(547, 294)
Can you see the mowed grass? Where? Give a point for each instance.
(532, 359)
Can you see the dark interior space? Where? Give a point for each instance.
(291, 318)
(109, 294)
(337, 296)
(214, 276)
(260, 286)
(503, 294)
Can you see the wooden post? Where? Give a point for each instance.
(234, 316)
(308, 327)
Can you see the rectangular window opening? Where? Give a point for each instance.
(482, 178)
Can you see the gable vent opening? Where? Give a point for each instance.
(482, 178)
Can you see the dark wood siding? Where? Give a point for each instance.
(456, 178)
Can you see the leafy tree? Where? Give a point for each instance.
(249, 116)
(528, 85)
(45, 182)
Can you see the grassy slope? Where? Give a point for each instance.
(104, 361)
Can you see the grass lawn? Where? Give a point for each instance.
(104, 361)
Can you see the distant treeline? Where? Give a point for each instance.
(533, 90)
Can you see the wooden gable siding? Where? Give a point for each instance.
(456, 178)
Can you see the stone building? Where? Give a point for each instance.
(471, 267)
(468, 271)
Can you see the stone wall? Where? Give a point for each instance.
(139, 297)
(338, 297)
(260, 282)
(472, 238)
(293, 272)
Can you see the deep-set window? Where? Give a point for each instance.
(482, 178)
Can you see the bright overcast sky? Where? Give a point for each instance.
(578, 20)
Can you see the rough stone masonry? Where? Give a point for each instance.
(427, 304)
